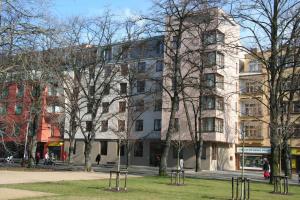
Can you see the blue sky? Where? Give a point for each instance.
(67, 8)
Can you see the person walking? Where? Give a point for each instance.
(98, 158)
(266, 168)
(37, 158)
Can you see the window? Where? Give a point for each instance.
(213, 37)
(138, 149)
(214, 81)
(105, 107)
(122, 106)
(296, 107)
(89, 126)
(214, 58)
(123, 88)
(176, 125)
(219, 103)
(139, 105)
(158, 105)
(208, 103)
(140, 86)
(20, 90)
(103, 148)
(255, 66)
(141, 67)
(3, 109)
(175, 42)
(139, 125)
(104, 125)
(211, 124)
(122, 150)
(159, 47)
(18, 109)
(214, 152)
(124, 69)
(107, 54)
(250, 109)
(157, 124)
(121, 125)
(251, 129)
(106, 89)
(159, 65)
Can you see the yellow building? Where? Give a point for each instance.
(254, 117)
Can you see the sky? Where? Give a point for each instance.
(67, 8)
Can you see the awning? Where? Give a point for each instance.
(55, 144)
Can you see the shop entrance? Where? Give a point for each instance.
(298, 164)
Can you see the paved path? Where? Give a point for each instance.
(12, 177)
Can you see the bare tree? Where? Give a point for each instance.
(271, 26)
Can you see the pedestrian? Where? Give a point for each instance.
(46, 158)
(181, 162)
(37, 158)
(98, 158)
(266, 168)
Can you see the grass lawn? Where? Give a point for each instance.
(152, 188)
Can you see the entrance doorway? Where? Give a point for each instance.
(298, 164)
(155, 154)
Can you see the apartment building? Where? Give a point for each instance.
(146, 111)
(254, 117)
(16, 109)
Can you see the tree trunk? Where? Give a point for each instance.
(71, 150)
(167, 143)
(87, 155)
(199, 155)
(32, 151)
(286, 157)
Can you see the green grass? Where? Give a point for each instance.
(152, 188)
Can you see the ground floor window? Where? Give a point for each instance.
(252, 161)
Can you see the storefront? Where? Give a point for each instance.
(253, 157)
(55, 148)
(295, 153)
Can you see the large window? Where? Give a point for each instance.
(212, 102)
(140, 86)
(213, 37)
(250, 109)
(138, 149)
(103, 147)
(214, 81)
(139, 125)
(212, 124)
(123, 88)
(157, 124)
(255, 66)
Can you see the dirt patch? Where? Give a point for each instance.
(7, 193)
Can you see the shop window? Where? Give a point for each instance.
(138, 149)
(103, 147)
